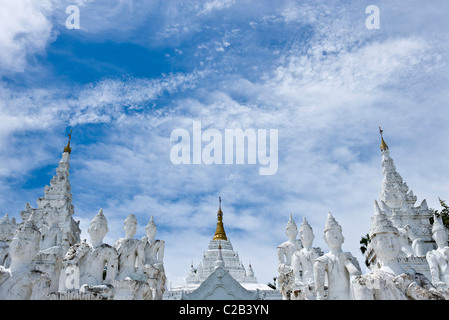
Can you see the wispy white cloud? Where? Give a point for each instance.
(25, 30)
(211, 6)
(326, 89)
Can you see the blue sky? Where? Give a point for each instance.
(137, 70)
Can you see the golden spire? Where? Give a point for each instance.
(67, 147)
(383, 145)
(220, 233)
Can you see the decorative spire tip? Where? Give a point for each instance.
(383, 145)
(67, 148)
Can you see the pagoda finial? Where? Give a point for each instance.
(220, 233)
(67, 147)
(383, 145)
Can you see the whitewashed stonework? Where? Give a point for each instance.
(43, 257)
(285, 252)
(412, 222)
(334, 271)
(154, 271)
(220, 285)
(302, 264)
(141, 274)
(231, 259)
(130, 280)
(22, 281)
(54, 219)
(438, 259)
(89, 269)
(7, 228)
(390, 281)
(231, 280)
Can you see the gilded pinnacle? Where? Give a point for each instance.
(383, 145)
(67, 147)
(220, 233)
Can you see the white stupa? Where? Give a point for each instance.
(398, 203)
(220, 250)
(230, 258)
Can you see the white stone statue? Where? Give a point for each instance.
(50, 257)
(91, 267)
(154, 259)
(302, 264)
(336, 266)
(404, 239)
(418, 244)
(21, 281)
(7, 228)
(51, 233)
(154, 249)
(131, 282)
(438, 259)
(390, 281)
(285, 253)
(130, 251)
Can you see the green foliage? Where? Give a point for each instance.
(364, 246)
(444, 213)
(364, 243)
(272, 285)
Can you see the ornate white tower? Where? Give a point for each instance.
(53, 218)
(398, 203)
(229, 257)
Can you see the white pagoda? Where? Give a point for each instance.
(230, 258)
(413, 222)
(54, 219)
(220, 250)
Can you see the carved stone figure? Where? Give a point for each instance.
(154, 249)
(302, 264)
(154, 257)
(390, 281)
(130, 251)
(131, 279)
(336, 266)
(438, 259)
(413, 222)
(21, 281)
(285, 253)
(91, 267)
(7, 228)
(404, 239)
(51, 252)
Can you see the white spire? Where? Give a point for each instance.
(219, 262)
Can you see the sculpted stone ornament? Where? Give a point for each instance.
(390, 281)
(404, 239)
(131, 252)
(154, 260)
(285, 253)
(131, 279)
(338, 267)
(50, 257)
(89, 269)
(7, 228)
(21, 281)
(220, 285)
(438, 259)
(413, 222)
(302, 264)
